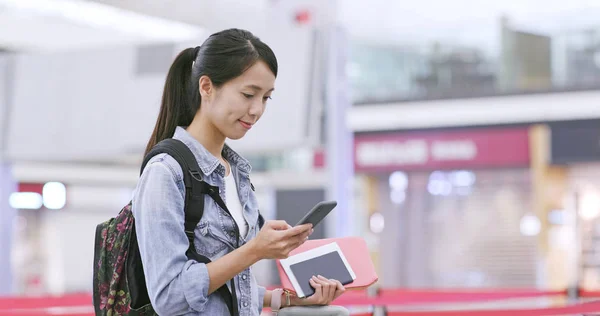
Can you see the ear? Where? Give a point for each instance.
(206, 87)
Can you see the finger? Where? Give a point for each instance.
(331, 288)
(314, 284)
(298, 230)
(278, 225)
(292, 245)
(300, 239)
(317, 298)
(295, 242)
(340, 289)
(309, 233)
(303, 237)
(324, 291)
(325, 288)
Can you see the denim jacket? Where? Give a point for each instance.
(176, 285)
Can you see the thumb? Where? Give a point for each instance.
(278, 225)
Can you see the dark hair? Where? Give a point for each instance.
(223, 56)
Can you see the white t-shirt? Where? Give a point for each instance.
(232, 199)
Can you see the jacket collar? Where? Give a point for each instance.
(207, 162)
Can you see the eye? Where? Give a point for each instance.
(267, 98)
(248, 96)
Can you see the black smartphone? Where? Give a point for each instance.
(318, 213)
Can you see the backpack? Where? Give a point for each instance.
(119, 283)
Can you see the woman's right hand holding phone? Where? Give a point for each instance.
(277, 239)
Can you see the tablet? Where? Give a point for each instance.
(327, 260)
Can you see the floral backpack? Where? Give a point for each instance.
(119, 283)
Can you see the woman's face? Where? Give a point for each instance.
(238, 104)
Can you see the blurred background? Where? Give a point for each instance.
(460, 138)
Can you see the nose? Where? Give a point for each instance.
(256, 109)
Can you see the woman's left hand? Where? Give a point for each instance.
(326, 290)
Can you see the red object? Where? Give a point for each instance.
(9, 303)
(409, 297)
(576, 309)
(442, 150)
(31, 187)
(319, 159)
(302, 17)
(391, 298)
(404, 297)
(46, 313)
(356, 252)
(587, 294)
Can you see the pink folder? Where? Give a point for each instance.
(356, 252)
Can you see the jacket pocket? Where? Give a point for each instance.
(209, 244)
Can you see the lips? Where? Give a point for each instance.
(245, 125)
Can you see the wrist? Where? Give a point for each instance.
(252, 252)
(295, 301)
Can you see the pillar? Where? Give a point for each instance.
(7, 218)
(339, 154)
(549, 190)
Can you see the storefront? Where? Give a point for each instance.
(452, 208)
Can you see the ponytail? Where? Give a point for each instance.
(180, 99)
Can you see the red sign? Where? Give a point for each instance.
(31, 187)
(442, 150)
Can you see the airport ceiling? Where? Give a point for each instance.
(65, 24)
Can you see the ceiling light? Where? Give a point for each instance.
(104, 16)
(25, 200)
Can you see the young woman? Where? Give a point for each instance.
(213, 92)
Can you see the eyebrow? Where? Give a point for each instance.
(257, 88)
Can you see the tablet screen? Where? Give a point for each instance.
(329, 265)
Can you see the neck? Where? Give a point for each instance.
(208, 136)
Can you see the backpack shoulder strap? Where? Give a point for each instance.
(176, 149)
(192, 177)
(195, 189)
